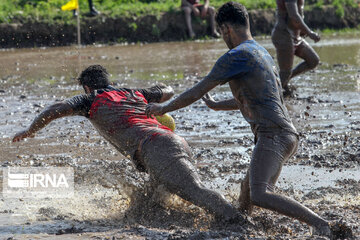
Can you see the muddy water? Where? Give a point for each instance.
(324, 174)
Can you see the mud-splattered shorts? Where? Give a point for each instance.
(166, 157)
(272, 149)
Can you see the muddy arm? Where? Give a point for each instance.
(52, 112)
(296, 18)
(185, 99)
(225, 105)
(298, 21)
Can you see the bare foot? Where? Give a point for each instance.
(334, 230)
(289, 91)
(215, 34)
(340, 230)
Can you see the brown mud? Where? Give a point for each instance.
(113, 201)
(165, 27)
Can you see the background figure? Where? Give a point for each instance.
(287, 37)
(199, 10)
(92, 10)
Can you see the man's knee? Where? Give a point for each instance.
(257, 197)
(187, 10)
(314, 62)
(211, 11)
(190, 190)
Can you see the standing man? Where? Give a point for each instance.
(119, 116)
(287, 37)
(199, 10)
(253, 79)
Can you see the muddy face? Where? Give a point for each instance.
(325, 112)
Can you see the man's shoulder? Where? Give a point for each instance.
(251, 48)
(244, 50)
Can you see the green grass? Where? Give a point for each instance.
(338, 4)
(344, 31)
(49, 10)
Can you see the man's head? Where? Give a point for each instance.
(233, 21)
(94, 77)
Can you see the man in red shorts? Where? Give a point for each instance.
(119, 116)
(287, 37)
(199, 10)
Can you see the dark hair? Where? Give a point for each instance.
(233, 13)
(95, 77)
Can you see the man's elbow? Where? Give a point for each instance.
(168, 92)
(57, 110)
(296, 20)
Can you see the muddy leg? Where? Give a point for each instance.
(285, 59)
(187, 14)
(168, 160)
(269, 154)
(311, 59)
(212, 13)
(181, 178)
(285, 56)
(244, 199)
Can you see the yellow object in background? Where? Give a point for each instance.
(71, 5)
(167, 121)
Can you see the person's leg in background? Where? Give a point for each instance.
(187, 14)
(93, 11)
(212, 13)
(311, 59)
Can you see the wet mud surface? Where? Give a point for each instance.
(113, 201)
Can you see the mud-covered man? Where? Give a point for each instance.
(253, 79)
(287, 37)
(119, 116)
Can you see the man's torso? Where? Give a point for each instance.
(119, 116)
(254, 82)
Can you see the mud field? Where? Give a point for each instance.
(113, 201)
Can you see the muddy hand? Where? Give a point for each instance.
(209, 101)
(154, 109)
(314, 36)
(21, 135)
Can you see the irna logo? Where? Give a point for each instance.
(38, 182)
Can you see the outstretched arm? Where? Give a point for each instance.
(298, 21)
(225, 105)
(185, 99)
(52, 112)
(158, 93)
